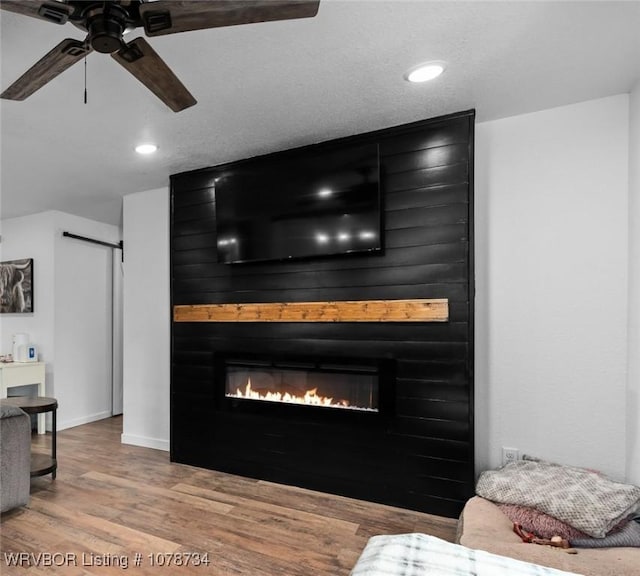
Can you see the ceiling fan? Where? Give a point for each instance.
(106, 22)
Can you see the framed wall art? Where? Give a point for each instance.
(16, 286)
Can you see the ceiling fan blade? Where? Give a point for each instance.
(144, 63)
(52, 11)
(63, 56)
(169, 17)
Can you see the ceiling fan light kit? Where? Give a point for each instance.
(106, 22)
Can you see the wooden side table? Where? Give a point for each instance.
(40, 464)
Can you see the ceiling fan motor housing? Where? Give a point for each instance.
(106, 25)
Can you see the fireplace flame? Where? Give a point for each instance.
(310, 396)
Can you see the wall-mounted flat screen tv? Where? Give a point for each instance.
(300, 204)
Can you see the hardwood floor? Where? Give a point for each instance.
(113, 504)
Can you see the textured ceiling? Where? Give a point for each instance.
(271, 86)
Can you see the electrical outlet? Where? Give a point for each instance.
(510, 455)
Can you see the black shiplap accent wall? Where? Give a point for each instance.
(423, 457)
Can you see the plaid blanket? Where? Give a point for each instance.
(422, 555)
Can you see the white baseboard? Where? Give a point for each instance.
(78, 421)
(145, 442)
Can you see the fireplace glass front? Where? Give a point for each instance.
(323, 385)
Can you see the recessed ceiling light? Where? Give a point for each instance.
(146, 148)
(426, 71)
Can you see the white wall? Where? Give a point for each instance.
(31, 237)
(147, 317)
(72, 309)
(633, 377)
(552, 255)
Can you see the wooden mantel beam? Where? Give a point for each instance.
(421, 310)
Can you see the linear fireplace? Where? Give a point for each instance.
(311, 385)
(263, 384)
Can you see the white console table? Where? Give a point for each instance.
(14, 374)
